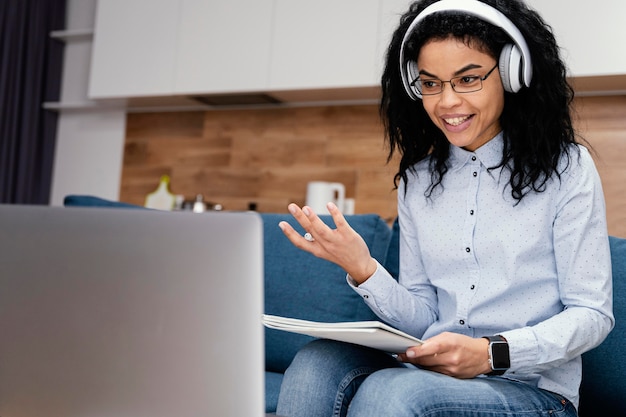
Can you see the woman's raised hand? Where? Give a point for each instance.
(342, 245)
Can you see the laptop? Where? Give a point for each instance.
(130, 313)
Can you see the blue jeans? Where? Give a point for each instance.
(328, 378)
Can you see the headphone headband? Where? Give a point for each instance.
(474, 8)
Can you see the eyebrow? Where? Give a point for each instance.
(456, 73)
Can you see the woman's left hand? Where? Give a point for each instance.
(342, 245)
(451, 354)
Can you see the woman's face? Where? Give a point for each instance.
(469, 120)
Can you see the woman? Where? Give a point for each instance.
(504, 257)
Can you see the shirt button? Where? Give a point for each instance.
(472, 287)
(473, 158)
(475, 173)
(461, 322)
(471, 212)
(467, 250)
(366, 296)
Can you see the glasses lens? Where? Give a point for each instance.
(429, 86)
(467, 83)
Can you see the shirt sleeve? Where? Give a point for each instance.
(582, 254)
(408, 305)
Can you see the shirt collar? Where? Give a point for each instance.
(490, 154)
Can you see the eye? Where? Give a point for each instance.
(468, 80)
(430, 84)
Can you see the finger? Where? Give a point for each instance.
(425, 361)
(310, 214)
(338, 217)
(294, 237)
(299, 215)
(287, 229)
(316, 227)
(425, 350)
(306, 217)
(402, 357)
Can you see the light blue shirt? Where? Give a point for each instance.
(476, 262)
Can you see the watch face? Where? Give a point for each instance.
(500, 355)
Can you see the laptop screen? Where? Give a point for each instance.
(117, 312)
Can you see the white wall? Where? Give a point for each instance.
(89, 154)
(90, 141)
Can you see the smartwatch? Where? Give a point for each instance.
(498, 355)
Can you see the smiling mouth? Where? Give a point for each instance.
(456, 121)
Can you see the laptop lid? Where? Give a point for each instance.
(130, 313)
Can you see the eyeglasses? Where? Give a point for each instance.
(462, 84)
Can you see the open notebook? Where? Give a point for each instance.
(130, 313)
(374, 334)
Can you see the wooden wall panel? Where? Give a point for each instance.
(267, 156)
(603, 124)
(263, 156)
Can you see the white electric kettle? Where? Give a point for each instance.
(320, 193)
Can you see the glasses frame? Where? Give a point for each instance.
(451, 82)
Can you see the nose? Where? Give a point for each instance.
(449, 97)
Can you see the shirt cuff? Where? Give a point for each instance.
(523, 349)
(376, 288)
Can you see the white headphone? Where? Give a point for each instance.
(515, 64)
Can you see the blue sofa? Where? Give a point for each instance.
(299, 285)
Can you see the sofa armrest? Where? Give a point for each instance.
(603, 387)
(77, 200)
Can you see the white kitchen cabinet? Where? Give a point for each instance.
(134, 51)
(223, 46)
(590, 35)
(148, 48)
(145, 48)
(324, 44)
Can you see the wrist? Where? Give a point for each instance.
(364, 273)
(486, 364)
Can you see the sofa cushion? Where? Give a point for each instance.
(392, 262)
(603, 387)
(299, 285)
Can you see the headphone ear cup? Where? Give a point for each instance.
(412, 73)
(510, 66)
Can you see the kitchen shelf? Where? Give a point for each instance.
(72, 34)
(80, 105)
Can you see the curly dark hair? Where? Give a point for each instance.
(536, 121)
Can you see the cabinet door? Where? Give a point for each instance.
(224, 46)
(134, 48)
(589, 36)
(324, 44)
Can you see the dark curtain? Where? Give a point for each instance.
(30, 74)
